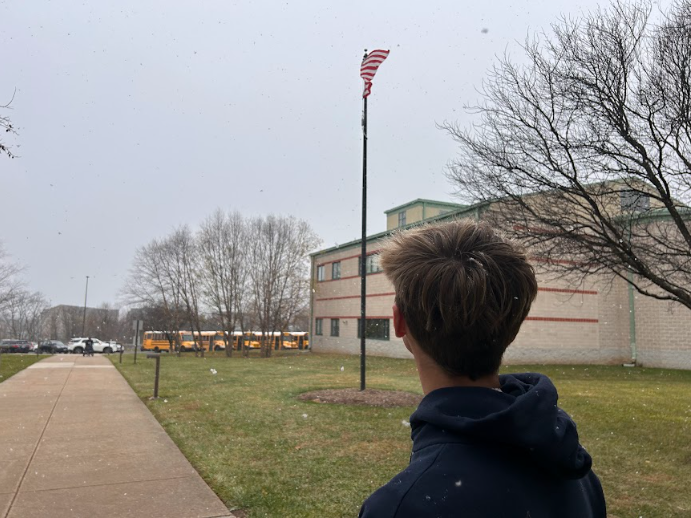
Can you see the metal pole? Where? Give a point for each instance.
(632, 308)
(363, 257)
(136, 341)
(86, 292)
(158, 368)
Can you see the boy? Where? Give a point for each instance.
(484, 445)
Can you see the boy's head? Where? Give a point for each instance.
(463, 292)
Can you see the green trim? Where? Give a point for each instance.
(471, 211)
(424, 201)
(655, 214)
(312, 291)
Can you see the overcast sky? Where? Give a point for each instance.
(135, 117)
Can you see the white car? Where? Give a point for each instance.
(77, 346)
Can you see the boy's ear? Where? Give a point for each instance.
(399, 325)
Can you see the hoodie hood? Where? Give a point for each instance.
(523, 415)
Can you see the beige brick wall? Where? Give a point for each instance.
(392, 220)
(663, 333)
(588, 324)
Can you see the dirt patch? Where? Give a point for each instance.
(240, 513)
(369, 397)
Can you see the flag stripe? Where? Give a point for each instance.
(369, 67)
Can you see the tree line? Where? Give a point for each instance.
(20, 308)
(237, 272)
(27, 315)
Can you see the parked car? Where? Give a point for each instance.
(77, 346)
(15, 346)
(117, 346)
(52, 346)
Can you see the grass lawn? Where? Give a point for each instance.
(10, 364)
(264, 451)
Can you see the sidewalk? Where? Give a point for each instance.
(76, 441)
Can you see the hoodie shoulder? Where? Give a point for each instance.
(386, 501)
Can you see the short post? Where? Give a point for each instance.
(138, 325)
(157, 356)
(122, 349)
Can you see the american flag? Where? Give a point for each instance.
(369, 67)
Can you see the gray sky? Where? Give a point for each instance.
(138, 116)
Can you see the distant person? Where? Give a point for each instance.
(484, 445)
(88, 347)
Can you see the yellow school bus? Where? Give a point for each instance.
(253, 339)
(295, 340)
(158, 341)
(211, 340)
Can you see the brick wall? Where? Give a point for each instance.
(587, 324)
(663, 333)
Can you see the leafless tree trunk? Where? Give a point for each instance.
(182, 256)
(277, 249)
(584, 154)
(154, 283)
(222, 242)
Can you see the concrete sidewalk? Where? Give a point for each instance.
(76, 441)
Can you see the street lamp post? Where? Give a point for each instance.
(86, 292)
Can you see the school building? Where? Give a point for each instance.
(598, 322)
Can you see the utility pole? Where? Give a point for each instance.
(86, 292)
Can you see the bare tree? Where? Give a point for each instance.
(222, 240)
(6, 127)
(182, 260)
(21, 316)
(153, 282)
(103, 322)
(70, 322)
(279, 274)
(10, 282)
(584, 153)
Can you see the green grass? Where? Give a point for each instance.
(264, 451)
(10, 364)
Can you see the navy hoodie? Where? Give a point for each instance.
(482, 453)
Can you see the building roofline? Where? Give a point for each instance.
(462, 210)
(422, 200)
(655, 214)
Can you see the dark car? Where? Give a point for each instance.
(52, 346)
(15, 346)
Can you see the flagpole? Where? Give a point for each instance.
(370, 64)
(363, 260)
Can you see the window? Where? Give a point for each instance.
(318, 327)
(375, 328)
(634, 201)
(320, 273)
(334, 327)
(401, 219)
(336, 270)
(371, 264)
